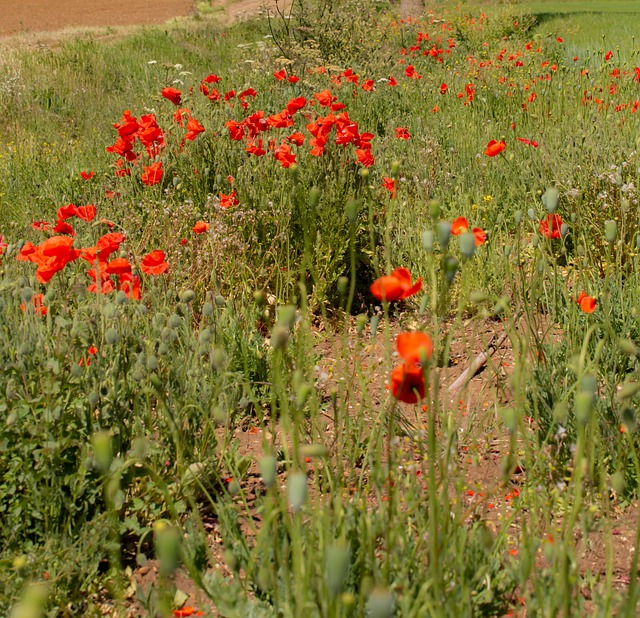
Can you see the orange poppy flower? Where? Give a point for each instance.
(227, 201)
(395, 286)
(494, 148)
(86, 213)
(153, 263)
(187, 610)
(588, 304)
(200, 227)
(194, 128)
(118, 266)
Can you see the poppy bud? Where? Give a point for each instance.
(187, 296)
(167, 546)
(313, 450)
(626, 346)
(395, 169)
(564, 230)
(352, 211)
(375, 320)
(287, 315)
(26, 294)
(297, 490)
(121, 297)
(220, 301)
(361, 322)
(343, 285)
(380, 604)
(364, 172)
(444, 233)
(260, 298)
(550, 199)
(337, 560)
(314, 198)
(175, 321)
(583, 403)
(619, 180)
(610, 231)
(207, 310)
(279, 337)
(434, 209)
(531, 213)
(219, 358)
(628, 390)
(450, 268)
(93, 398)
(111, 336)
(304, 391)
(467, 244)
(268, 469)
(101, 442)
(427, 241)
(617, 482)
(518, 217)
(163, 349)
(109, 310)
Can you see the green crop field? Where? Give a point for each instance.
(331, 314)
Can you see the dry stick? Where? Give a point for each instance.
(476, 365)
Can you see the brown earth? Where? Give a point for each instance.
(51, 15)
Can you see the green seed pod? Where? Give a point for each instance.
(518, 217)
(121, 297)
(564, 230)
(336, 567)
(163, 349)
(76, 370)
(364, 173)
(111, 336)
(610, 231)
(444, 233)
(434, 209)
(175, 321)
(531, 213)
(268, 469)
(467, 245)
(260, 298)
(93, 398)
(375, 320)
(343, 285)
(101, 443)
(550, 199)
(156, 381)
(220, 416)
(380, 604)
(187, 296)
(427, 241)
(207, 310)
(152, 363)
(297, 490)
(159, 320)
(219, 301)
(361, 323)
(395, 168)
(619, 180)
(233, 487)
(137, 375)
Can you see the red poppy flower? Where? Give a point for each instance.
(152, 174)
(62, 227)
(588, 304)
(293, 79)
(365, 157)
(284, 155)
(200, 227)
(411, 72)
(87, 176)
(528, 142)
(38, 306)
(153, 263)
(296, 138)
(551, 225)
(608, 56)
(414, 347)
(395, 286)
(26, 253)
(86, 213)
(390, 185)
(392, 81)
(494, 148)
(325, 98)
(172, 94)
(66, 212)
(461, 225)
(187, 610)
(41, 226)
(407, 383)
(280, 75)
(368, 85)
(227, 201)
(296, 104)
(118, 266)
(443, 89)
(194, 128)
(402, 133)
(130, 285)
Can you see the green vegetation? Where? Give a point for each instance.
(200, 375)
